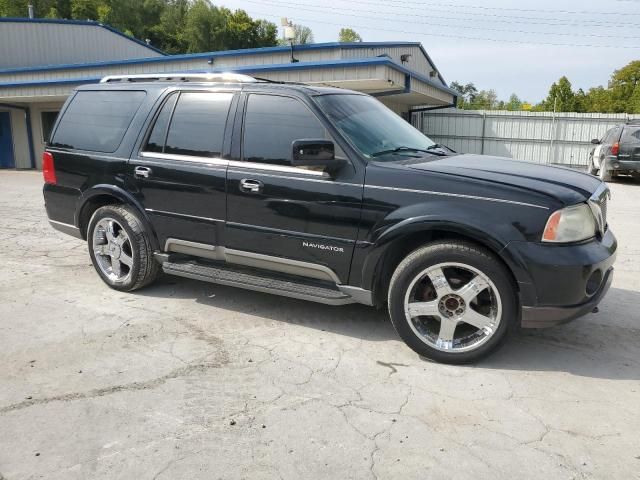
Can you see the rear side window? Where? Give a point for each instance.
(271, 125)
(158, 135)
(97, 120)
(631, 135)
(197, 124)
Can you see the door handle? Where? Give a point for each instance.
(251, 186)
(142, 172)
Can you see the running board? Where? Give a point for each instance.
(258, 281)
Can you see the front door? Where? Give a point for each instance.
(179, 174)
(289, 219)
(6, 142)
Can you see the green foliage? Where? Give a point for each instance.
(349, 35)
(175, 26)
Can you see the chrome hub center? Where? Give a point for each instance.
(452, 305)
(114, 250)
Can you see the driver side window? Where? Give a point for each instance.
(271, 125)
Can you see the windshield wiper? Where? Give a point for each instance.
(407, 149)
(439, 146)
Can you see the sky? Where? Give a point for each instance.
(517, 47)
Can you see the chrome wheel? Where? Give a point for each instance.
(113, 250)
(453, 307)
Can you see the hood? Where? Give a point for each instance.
(565, 185)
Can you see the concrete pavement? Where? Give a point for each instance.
(197, 381)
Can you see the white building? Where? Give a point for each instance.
(42, 61)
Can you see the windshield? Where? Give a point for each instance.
(370, 126)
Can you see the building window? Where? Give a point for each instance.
(48, 119)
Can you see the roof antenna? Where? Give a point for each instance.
(30, 7)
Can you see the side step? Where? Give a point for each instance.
(259, 281)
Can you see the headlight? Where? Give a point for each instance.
(570, 224)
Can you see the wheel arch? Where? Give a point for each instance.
(101, 195)
(394, 247)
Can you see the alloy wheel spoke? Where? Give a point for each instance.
(110, 231)
(439, 282)
(101, 250)
(115, 267)
(417, 309)
(476, 319)
(126, 259)
(472, 289)
(121, 239)
(447, 330)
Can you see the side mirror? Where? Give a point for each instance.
(315, 153)
(595, 141)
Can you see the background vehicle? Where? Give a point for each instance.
(326, 195)
(618, 152)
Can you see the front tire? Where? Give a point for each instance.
(120, 248)
(452, 302)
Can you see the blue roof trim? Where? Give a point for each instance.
(383, 61)
(36, 83)
(90, 23)
(207, 55)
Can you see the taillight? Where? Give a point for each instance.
(48, 169)
(615, 149)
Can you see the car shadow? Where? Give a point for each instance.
(602, 345)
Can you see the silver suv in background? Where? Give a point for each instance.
(618, 152)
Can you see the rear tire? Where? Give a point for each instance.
(460, 318)
(605, 173)
(120, 248)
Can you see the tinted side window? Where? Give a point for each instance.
(197, 125)
(155, 143)
(97, 120)
(631, 135)
(272, 123)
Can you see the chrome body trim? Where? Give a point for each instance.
(458, 195)
(359, 295)
(62, 224)
(224, 77)
(279, 264)
(186, 158)
(250, 259)
(195, 217)
(276, 168)
(191, 248)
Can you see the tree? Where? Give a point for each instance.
(349, 35)
(623, 86)
(514, 103)
(303, 35)
(467, 93)
(560, 98)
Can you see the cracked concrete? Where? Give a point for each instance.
(191, 380)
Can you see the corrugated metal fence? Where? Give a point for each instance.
(541, 137)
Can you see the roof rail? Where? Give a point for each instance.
(633, 121)
(225, 77)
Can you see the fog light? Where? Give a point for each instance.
(594, 282)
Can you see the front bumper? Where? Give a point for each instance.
(543, 317)
(559, 283)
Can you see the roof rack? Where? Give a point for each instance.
(225, 77)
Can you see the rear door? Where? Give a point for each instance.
(630, 144)
(284, 218)
(179, 172)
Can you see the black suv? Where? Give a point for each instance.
(323, 194)
(617, 153)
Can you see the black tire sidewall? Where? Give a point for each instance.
(112, 212)
(467, 254)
